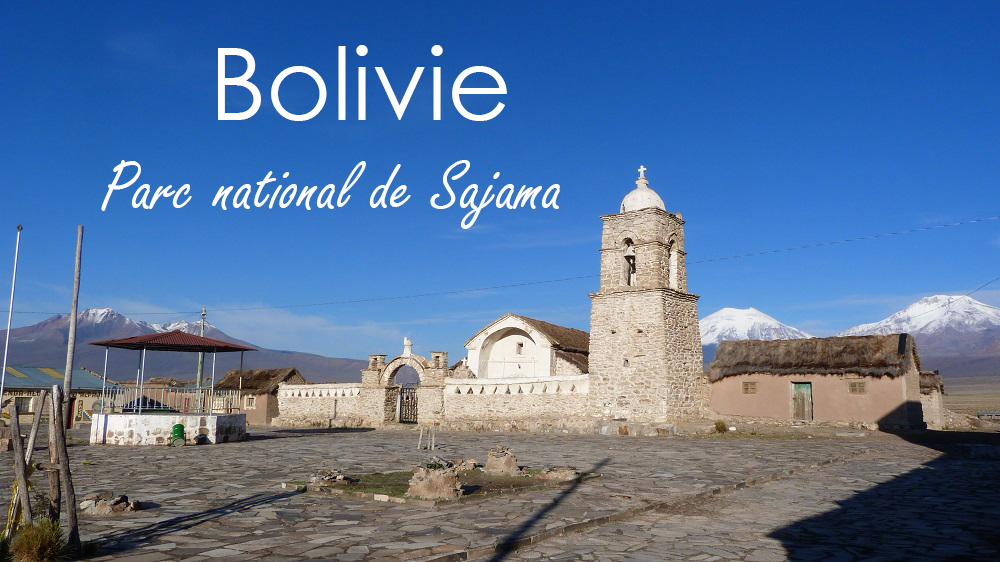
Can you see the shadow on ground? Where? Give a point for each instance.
(511, 542)
(134, 538)
(290, 433)
(947, 509)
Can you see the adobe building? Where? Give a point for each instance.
(258, 390)
(856, 379)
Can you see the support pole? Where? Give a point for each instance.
(55, 490)
(201, 361)
(20, 469)
(66, 478)
(104, 379)
(71, 344)
(142, 377)
(10, 312)
(239, 395)
(211, 395)
(36, 422)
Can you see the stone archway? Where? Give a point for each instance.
(401, 401)
(387, 377)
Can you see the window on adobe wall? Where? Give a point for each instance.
(520, 348)
(856, 387)
(251, 402)
(749, 388)
(23, 404)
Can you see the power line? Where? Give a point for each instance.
(564, 279)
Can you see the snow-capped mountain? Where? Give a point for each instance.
(744, 324)
(934, 315)
(44, 345)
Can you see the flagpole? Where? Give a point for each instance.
(10, 313)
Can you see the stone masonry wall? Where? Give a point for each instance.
(535, 403)
(330, 405)
(656, 333)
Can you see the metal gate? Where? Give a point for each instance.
(407, 405)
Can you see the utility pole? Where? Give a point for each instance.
(71, 345)
(10, 313)
(201, 359)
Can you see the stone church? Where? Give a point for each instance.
(639, 370)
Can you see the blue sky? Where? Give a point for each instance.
(767, 125)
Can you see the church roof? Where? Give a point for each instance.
(642, 197)
(564, 338)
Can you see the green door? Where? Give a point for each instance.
(802, 401)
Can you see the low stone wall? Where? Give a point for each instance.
(156, 429)
(329, 405)
(532, 404)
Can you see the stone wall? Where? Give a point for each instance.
(516, 403)
(156, 429)
(330, 405)
(645, 357)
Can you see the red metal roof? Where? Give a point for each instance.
(175, 340)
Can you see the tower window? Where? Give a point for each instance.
(519, 350)
(625, 362)
(629, 254)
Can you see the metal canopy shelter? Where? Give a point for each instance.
(175, 340)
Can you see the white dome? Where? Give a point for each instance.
(642, 197)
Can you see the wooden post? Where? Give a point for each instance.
(36, 422)
(71, 344)
(73, 536)
(55, 491)
(20, 469)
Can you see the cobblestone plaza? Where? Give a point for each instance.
(852, 495)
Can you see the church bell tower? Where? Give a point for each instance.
(645, 349)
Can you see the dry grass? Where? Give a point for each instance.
(972, 395)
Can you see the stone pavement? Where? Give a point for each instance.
(905, 507)
(225, 501)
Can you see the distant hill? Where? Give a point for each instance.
(44, 345)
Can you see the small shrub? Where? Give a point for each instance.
(721, 427)
(40, 542)
(434, 465)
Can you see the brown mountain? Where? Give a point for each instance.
(44, 345)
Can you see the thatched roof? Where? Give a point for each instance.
(162, 381)
(930, 381)
(567, 339)
(875, 356)
(261, 381)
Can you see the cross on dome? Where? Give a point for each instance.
(642, 197)
(642, 181)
